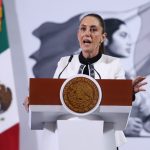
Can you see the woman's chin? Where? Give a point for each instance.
(87, 50)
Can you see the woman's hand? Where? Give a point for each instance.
(26, 103)
(138, 84)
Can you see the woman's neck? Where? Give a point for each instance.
(89, 54)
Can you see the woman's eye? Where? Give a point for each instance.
(82, 29)
(93, 29)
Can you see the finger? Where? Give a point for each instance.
(26, 103)
(136, 90)
(141, 78)
(139, 87)
(138, 79)
(141, 84)
(26, 107)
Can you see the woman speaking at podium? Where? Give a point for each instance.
(91, 60)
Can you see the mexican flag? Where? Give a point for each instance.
(9, 119)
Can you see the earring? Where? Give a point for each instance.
(100, 42)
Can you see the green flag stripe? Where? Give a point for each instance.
(3, 35)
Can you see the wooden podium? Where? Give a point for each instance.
(112, 114)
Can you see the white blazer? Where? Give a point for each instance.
(107, 66)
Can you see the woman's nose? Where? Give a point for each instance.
(87, 32)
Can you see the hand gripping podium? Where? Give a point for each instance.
(80, 130)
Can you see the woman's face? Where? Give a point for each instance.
(121, 42)
(90, 36)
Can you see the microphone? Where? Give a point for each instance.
(94, 69)
(69, 60)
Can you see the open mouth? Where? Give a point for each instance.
(87, 41)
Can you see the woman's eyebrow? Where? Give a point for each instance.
(89, 26)
(93, 26)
